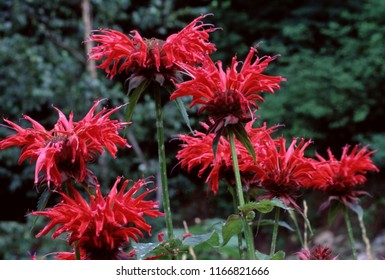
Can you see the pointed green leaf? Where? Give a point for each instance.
(134, 97)
(211, 238)
(263, 206)
(242, 136)
(356, 208)
(42, 203)
(143, 249)
(268, 222)
(216, 142)
(182, 110)
(233, 226)
(334, 209)
(280, 255)
(261, 256)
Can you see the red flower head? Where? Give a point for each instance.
(153, 58)
(282, 172)
(228, 97)
(197, 151)
(339, 177)
(65, 150)
(317, 253)
(102, 226)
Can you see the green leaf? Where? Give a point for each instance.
(216, 141)
(144, 249)
(264, 206)
(280, 255)
(242, 136)
(134, 97)
(232, 226)
(42, 203)
(268, 222)
(356, 208)
(182, 110)
(334, 209)
(211, 238)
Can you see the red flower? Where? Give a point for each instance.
(228, 97)
(197, 151)
(339, 177)
(102, 226)
(283, 171)
(317, 253)
(151, 58)
(65, 150)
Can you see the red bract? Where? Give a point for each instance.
(151, 58)
(228, 97)
(99, 228)
(65, 150)
(317, 253)
(339, 177)
(197, 152)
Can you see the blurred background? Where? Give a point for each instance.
(331, 53)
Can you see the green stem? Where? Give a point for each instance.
(236, 210)
(275, 231)
(162, 162)
(350, 232)
(241, 201)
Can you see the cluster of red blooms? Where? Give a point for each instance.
(279, 171)
(100, 227)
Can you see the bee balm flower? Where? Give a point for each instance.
(99, 228)
(64, 151)
(153, 58)
(228, 97)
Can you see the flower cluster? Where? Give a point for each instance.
(64, 151)
(101, 227)
(230, 96)
(278, 170)
(152, 59)
(338, 178)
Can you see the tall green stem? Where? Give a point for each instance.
(275, 231)
(236, 210)
(241, 201)
(350, 232)
(162, 162)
